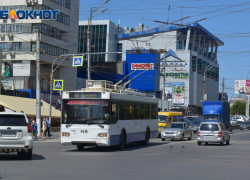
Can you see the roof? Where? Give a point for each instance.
(28, 106)
(201, 30)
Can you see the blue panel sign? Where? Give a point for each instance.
(77, 60)
(58, 85)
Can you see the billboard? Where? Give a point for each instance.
(168, 90)
(178, 98)
(242, 87)
(142, 66)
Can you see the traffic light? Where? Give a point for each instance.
(8, 69)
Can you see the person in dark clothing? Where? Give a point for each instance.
(48, 127)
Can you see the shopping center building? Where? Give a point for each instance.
(191, 54)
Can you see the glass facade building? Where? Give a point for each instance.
(98, 41)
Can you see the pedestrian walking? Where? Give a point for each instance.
(35, 129)
(48, 127)
(44, 127)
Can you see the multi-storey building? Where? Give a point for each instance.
(190, 51)
(60, 36)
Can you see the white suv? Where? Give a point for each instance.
(15, 134)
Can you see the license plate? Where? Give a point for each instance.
(169, 136)
(8, 133)
(208, 137)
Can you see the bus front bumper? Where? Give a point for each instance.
(86, 142)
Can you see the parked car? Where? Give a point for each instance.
(213, 132)
(245, 125)
(176, 130)
(15, 134)
(195, 125)
(240, 118)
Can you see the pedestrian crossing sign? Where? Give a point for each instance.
(77, 60)
(58, 85)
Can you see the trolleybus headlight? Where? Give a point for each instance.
(102, 135)
(65, 134)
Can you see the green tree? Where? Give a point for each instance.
(239, 108)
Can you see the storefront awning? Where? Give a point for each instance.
(28, 106)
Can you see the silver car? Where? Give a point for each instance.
(15, 134)
(176, 130)
(245, 125)
(213, 132)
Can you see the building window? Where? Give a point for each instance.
(119, 49)
(216, 74)
(194, 63)
(9, 28)
(199, 67)
(204, 63)
(65, 3)
(49, 49)
(16, 46)
(48, 30)
(98, 41)
(63, 18)
(3, 46)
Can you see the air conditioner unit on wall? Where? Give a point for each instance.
(10, 35)
(2, 35)
(11, 87)
(28, 1)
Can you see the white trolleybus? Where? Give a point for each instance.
(105, 115)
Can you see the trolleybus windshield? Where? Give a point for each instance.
(86, 112)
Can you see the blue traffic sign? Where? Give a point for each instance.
(77, 60)
(58, 85)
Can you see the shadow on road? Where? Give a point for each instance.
(13, 156)
(128, 147)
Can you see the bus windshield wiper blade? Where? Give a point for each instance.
(100, 125)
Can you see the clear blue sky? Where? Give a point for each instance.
(226, 19)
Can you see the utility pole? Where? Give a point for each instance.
(247, 107)
(163, 87)
(89, 33)
(89, 41)
(204, 84)
(38, 88)
(222, 95)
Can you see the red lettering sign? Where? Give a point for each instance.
(142, 66)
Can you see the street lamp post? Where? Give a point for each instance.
(92, 11)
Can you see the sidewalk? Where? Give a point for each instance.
(55, 138)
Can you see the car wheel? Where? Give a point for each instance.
(122, 141)
(190, 138)
(80, 147)
(199, 143)
(182, 137)
(163, 139)
(228, 141)
(222, 143)
(206, 143)
(28, 155)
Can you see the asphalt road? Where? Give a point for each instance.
(159, 160)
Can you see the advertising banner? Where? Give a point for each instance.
(178, 98)
(168, 90)
(242, 87)
(142, 66)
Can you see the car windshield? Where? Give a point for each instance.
(175, 125)
(162, 118)
(209, 127)
(12, 120)
(195, 121)
(86, 112)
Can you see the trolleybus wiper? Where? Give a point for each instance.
(101, 126)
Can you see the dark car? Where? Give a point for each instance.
(195, 124)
